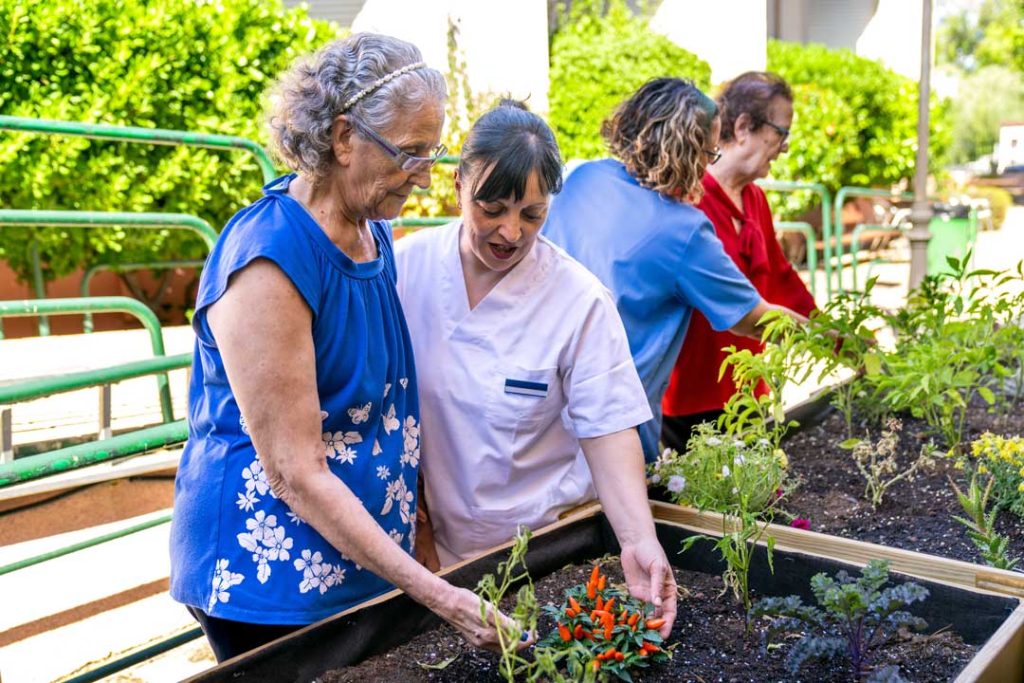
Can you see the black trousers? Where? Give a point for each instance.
(231, 638)
(675, 429)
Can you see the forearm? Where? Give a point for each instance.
(750, 325)
(617, 466)
(330, 507)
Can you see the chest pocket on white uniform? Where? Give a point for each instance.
(523, 399)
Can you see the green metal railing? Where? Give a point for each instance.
(136, 657)
(422, 222)
(81, 455)
(812, 249)
(148, 136)
(101, 304)
(842, 195)
(87, 277)
(92, 219)
(826, 218)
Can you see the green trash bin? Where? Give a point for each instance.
(953, 228)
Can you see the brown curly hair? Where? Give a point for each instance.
(660, 134)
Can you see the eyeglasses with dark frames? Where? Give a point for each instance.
(713, 156)
(783, 132)
(405, 161)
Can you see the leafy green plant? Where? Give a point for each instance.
(744, 482)
(853, 618)
(600, 54)
(756, 409)
(877, 462)
(847, 318)
(199, 66)
(602, 630)
(869, 121)
(493, 588)
(981, 525)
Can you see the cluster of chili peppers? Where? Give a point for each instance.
(613, 629)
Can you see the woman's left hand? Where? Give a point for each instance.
(649, 577)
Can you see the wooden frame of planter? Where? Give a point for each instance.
(994, 621)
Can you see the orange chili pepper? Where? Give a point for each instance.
(608, 605)
(649, 647)
(619, 656)
(575, 605)
(563, 633)
(601, 583)
(577, 632)
(607, 631)
(596, 665)
(655, 624)
(593, 575)
(570, 612)
(607, 654)
(633, 619)
(600, 602)
(591, 591)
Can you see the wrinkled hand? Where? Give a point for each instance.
(426, 549)
(649, 577)
(461, 609)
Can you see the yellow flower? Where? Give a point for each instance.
(780, 455)
(1020, 487)
(982, 469)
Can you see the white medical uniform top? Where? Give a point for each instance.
(508, 388)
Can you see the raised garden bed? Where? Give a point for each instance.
(989, 623)
(915, 514)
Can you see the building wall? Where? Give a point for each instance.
(1010, 150)
(505, 44)
(730, 35)
(341, 12)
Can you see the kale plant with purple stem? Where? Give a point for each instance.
(854, 617)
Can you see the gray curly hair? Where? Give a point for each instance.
(306, 99)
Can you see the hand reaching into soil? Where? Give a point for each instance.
(462, 610)
(649, 577)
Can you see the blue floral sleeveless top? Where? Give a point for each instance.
(237, 552)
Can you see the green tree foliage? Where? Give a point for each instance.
(181, 64)
(863, 132)
(600, 55)
(991, 34)
(986, 98)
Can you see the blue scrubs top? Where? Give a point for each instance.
(660, 259)
(237, 552)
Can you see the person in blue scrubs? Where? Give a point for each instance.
(631, 221)
(296, 493)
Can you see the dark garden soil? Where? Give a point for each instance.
(709, 638)
(914, 515)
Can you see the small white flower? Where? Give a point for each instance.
(666, 454)
(764, 442)
(676, 483)
(738, 460)
(383, 472)
(738, 444)
(725, 470)
(655, 478)
(735, 490)
(714, 441)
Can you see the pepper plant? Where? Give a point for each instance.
(854, 617)
(602, 631)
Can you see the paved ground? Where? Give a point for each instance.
(120, 585)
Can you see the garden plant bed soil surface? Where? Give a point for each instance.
(914, 515)
(708, 633)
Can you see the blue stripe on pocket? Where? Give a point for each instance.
(519, 386)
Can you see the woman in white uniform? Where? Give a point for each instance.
(529, 396)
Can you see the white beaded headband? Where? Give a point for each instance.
(380, 82)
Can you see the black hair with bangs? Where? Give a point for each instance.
(508, 144)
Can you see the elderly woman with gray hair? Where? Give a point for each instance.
(296, 493)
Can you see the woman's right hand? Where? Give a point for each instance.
(461, 609)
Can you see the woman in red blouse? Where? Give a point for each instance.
(757, 111)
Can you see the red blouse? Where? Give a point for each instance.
(694, 386)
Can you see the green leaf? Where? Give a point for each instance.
(440, 666)
(987, 394)
(849, 444)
